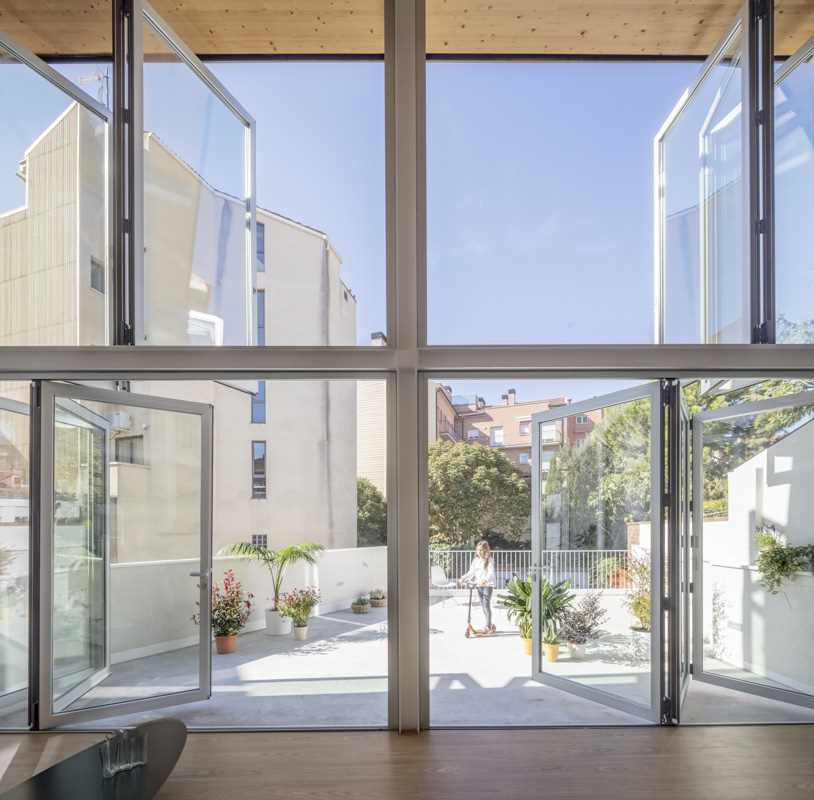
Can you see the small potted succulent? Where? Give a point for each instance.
(230, 612)
(297, 606)
(361, 605)
(378, 599)
(580, 624)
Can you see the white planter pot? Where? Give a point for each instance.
(301, 633)
(275, 624)
(577, 650)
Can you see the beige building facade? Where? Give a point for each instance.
(53, 290)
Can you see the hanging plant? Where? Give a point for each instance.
(778, 562)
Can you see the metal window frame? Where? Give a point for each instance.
(129, 22)
(803, 398)
(254, 473)
(754, 23)
(406, 363)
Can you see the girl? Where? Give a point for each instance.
(481, 573)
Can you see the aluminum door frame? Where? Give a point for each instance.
(45, 715)
(652, 392)
(698, 671)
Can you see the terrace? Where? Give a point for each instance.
(338, 676)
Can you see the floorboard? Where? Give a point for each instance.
(763, 762)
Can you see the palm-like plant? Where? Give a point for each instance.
(554, 601)
(517, 601)
(276, 561)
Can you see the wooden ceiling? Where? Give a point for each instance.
(356, 27)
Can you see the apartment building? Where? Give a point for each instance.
(506, 425)
(54, 249)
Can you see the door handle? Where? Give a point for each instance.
(202, 576)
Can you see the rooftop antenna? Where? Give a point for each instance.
(103, 80)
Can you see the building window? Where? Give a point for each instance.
(258, 469)
(582, 419)
(525, 427)
(523, 458)
(261, 247)
(259, 404)
(473, 434)
(97, 275)
(260, 540)
(496, 436)
(260, 310)
(130, 450)
(549, 433)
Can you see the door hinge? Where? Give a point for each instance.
(761, 333)
(692, 668)
(692, 587)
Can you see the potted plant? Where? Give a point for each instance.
(555, 598)
(517, 602)
(637, 599)
(230, 612)
(777, 561)
(297, 606)
(581, 623)
(378, 599)
(277, 562)
(361, 605)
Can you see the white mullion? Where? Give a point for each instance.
(408, 78)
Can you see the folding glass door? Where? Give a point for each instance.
(597, 537)
(125, 506)
(753, 472)
(702, 261)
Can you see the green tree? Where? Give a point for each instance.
(371, 515)
(474, 492)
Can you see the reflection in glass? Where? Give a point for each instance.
(705, 294)
(127, 524)
(595, 531)
(14, 554)
(757, 476)
(196, 276)
(53, 214)
(794, 204)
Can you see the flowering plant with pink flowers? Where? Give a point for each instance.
(298, 605)
(230, 606)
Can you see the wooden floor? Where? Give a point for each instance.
(721, 763)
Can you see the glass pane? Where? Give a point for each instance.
(197, 270)
(15, 482)
(53, 214)
(525, 208)
(757, 538)
(596, 536)
(706, 283)
(325, 485)
(126, 517)
(794, 203)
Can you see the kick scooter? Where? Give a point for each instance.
(471, 630)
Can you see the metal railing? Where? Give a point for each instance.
(586, 569)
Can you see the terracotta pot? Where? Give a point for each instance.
(301, 632)
(277, 625)
(226, 644)
(552, 651)
(378, 603)
(527, 645)
(360, 608)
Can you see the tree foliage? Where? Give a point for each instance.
(371, 514)
(475, 493)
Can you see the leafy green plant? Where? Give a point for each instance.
(361, 601)
(276, 561)
(637, 600)
(778, 562)
(517, 601)
(371, 514)
(555, 598)
(581, 623)
(609, 573)
(377, 594)
(298, 605)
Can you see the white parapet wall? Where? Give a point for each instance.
(152, 603)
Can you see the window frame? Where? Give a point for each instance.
(255, 484)
(407, 363)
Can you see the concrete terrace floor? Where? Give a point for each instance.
(337, 678)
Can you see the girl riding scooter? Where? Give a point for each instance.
(481, 575)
